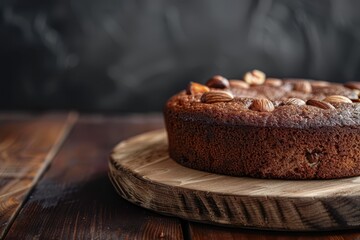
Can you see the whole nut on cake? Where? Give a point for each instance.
(295, 101)
(262, 105)
(353, 85)
(218, 81)
(273, 82)
(303, 86)
(196, 88)
(255, 77)
(357, 92)
(319, 83)
(319, 104)
(238, 84)
(337, 99)
(216, 96)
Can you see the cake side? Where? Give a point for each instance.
(265, 152)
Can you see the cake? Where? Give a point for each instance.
(266, 127)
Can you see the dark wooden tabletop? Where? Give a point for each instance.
(54, 184)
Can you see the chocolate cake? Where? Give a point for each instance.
(266, 127)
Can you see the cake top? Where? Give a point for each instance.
(260, 101)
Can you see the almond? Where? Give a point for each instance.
(337, 99)
(216, 96)
(319, 104)
(262, 105)
(355, 100)
(295, 101)
(218, 81)
(195, 88)
(353, 85)
(273, 82)
(255, 77)
(357, 92)
(303, 86)
(238, 84)
(319, 84)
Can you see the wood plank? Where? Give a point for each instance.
(207, 232)
(75, 199)
(143, 173)
(27, 146)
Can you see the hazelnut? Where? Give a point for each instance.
(218, 81)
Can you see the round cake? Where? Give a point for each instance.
(266, 127)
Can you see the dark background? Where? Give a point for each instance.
(130, 56)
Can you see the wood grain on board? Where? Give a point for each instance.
(144, 174)
(75, 199)
(27, 146)
(199, 231)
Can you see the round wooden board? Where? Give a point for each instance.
(143, 173)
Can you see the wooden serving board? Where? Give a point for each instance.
(143, 173)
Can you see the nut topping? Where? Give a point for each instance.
(303, 86)
(353, 85)
(318, 83)
(238, 84)
(195, 88)
(357, 92)
(262, 105)
(295, 101)
(255, 77)
(273, 82)
(218, 81)
(319, 104)
(216, 96)
(337, 99)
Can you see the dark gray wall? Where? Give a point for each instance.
(126, 55)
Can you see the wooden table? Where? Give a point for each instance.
(54, 184)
